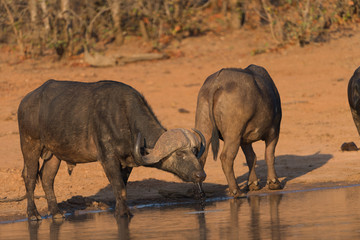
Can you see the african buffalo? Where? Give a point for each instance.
(354, 97)
(240, 106)
(105, 121)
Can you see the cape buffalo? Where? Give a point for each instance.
(354, 97)
(240, 106)
(105, 121)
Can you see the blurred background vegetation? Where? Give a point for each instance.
(64, 27)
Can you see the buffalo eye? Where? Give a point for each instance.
(179, 154)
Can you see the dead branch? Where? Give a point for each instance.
(98, 60)
(271, 21)
(18, 34)
(17, 199)
(141, 57)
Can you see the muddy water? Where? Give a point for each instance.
(317, 214)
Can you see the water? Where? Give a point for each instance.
(321, 214)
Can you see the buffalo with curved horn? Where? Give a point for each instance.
(105, 121)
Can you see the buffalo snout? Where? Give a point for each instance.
(199, 176)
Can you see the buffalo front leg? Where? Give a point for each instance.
(356, 119)
(31, 153)
(112, 170)
(227, 158)
(48, 172)
(272, 179)
(253, 182)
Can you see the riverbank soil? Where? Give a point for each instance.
(312, 82)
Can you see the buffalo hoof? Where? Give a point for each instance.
(34, 216)
(274, 184)
(122, 210)
(125, 213)
(237, 193)
(58, 216)
(253, 186)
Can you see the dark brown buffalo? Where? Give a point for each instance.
(106, 121)
(240, 106)
(354, 97)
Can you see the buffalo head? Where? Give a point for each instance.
(176, 151)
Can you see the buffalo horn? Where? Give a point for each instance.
(137, 155)
(203, 143)
(143, 160)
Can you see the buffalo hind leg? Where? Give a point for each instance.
(227, 158)
(31, 152)
(48, 172)
(125, 173)
(113, 172)
(253, 182)
(272, 179)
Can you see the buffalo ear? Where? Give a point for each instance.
(168, 142)
(145, 150)
(142, 155)
(202, 145)
(137, 151)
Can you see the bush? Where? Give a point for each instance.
(69, 27)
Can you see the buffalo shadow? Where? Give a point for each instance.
(288, 167)
(159, 192)
(149, 192)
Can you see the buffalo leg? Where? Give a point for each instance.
(112, 170)
(125, 173)
(253, 183)
(356, 119)
(48, 172)
(272, 179)
(31, 153)
(227, 158)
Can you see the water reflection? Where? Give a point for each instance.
(275, 217)
(33, 228)
(237, 215)
(328, 213)
(232, 231)
(123, 228)
(201, 221)
(71, 225)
